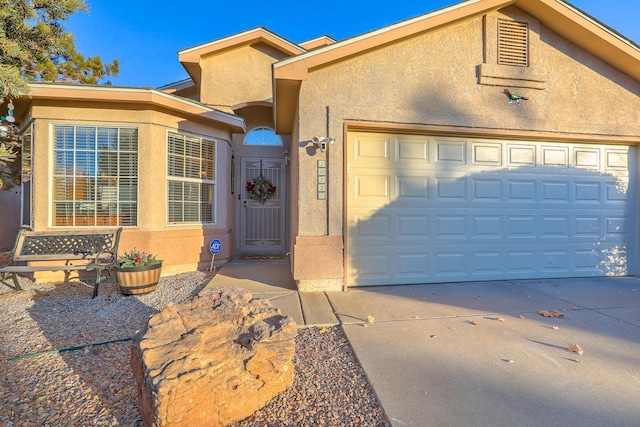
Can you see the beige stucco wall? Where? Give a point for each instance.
(182, 247)
(240, 75)
(432, 80)
(10, 201)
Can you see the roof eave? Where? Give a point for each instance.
(151, 97)
(586, 32)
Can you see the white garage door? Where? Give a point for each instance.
(425, 209)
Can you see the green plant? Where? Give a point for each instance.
(135, 258)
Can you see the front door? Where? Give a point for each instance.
(262, 221)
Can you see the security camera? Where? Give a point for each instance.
(321, 143)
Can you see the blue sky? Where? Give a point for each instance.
(145, 35)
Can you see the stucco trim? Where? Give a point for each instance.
(356, 125)
(193, 54)
(176, 86)
(124, 95)
(318, 42)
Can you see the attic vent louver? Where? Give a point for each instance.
(513, 43)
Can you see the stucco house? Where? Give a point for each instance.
(393, 157)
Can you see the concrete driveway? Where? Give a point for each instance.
(479, 354)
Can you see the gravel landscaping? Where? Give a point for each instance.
(64, 361)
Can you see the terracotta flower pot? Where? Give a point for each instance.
(138, 280)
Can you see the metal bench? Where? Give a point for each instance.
(95, 250)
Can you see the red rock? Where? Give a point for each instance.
(212, 360)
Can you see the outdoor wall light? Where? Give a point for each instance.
(321, 142)
(287, 157)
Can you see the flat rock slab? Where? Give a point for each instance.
(212, 360)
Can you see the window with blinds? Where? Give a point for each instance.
(513, 43)
(95, 176)
(191, 179)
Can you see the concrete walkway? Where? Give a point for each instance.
(479, 354)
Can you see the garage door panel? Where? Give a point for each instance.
(486, 190)
(521, 190)
(587, 226)
(555, 156)
(521, 155)
(413, 188)
(374, 150)
(413, 265)
(486, 226)
(450, 226)
(414, 150)
(413, 226)
(451, 189)
(450, 263)
(486, 154)
(367, 226)
(616, 193)
(451, 152)
(588, 192)
(556, 226)
(372, 186)
(470, 209)
(616, 159)
(486, 263)
(617, 226)
(555, 191)
(556, 261)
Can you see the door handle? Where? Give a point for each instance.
(244, 203)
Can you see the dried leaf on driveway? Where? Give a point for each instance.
(473, 322)
(554, 313)
(370, 319)
(575, 348)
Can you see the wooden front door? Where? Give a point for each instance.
(262, 222)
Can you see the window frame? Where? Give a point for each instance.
(263, 128)
(98, 203)
(212, 181)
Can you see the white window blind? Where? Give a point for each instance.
(191, 184)
(513, 43)
(95, 176)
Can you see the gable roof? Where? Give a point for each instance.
(190, 58)
(559, 16)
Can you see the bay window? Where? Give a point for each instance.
(95, 176)
(191, 179)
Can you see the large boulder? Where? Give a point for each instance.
(212, 360)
